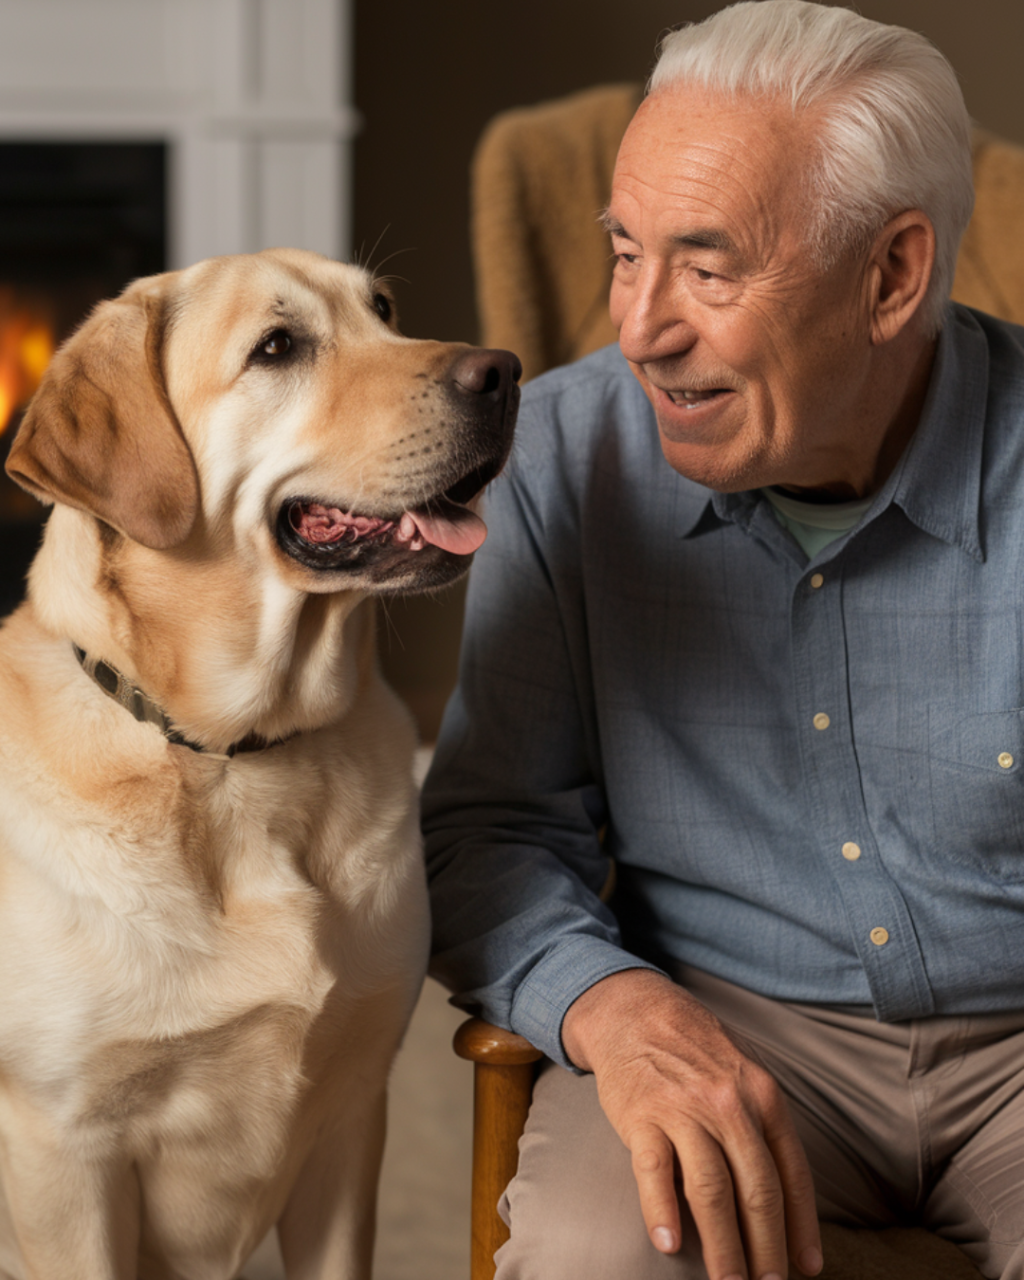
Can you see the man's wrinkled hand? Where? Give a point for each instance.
(691, 1107)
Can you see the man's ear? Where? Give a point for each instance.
(901, 268)
(100, 434)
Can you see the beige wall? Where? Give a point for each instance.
(428, 78)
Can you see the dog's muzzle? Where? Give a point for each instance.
(429, 542)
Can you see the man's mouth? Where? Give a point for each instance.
(690, 399)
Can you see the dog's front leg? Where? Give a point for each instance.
(326, 1230)
(73, 1217)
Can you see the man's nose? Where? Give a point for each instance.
(654, 322)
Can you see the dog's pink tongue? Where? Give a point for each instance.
(461, 537)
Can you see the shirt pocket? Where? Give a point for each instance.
(976, 773)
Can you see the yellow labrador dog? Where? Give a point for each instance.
(213, 922)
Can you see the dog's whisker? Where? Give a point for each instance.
(360, 258)
(391, 631)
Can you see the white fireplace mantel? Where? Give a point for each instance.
(251, 96)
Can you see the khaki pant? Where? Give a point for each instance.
(918, 1122)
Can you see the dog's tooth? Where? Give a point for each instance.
(407, 529)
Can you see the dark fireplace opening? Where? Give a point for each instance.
(78, 221)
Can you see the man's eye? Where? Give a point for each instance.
(701, 274)
(627, 259)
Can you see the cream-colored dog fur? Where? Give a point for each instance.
(207, 962)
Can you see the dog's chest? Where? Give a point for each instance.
(129, 1008)
(224, 957)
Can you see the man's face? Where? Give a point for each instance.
(757, 363)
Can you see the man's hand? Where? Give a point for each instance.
(681, 1095)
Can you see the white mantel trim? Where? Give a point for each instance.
(251, 97)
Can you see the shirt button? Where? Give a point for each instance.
(851, 851)
(817, 580)
(879, 936)
(1005, 760)
(821, 721)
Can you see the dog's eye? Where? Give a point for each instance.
(279, 343)
(382, 306)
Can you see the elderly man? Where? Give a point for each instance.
(777, 680)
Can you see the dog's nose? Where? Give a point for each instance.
(481, 372)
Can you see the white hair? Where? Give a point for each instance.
(893, 132)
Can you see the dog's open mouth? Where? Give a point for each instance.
(430, 542)
(446, 525)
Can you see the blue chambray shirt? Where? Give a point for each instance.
(810, 774)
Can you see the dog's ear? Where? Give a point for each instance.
(100, 433)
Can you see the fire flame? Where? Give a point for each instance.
(26, 346)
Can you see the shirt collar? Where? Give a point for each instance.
(937, 481)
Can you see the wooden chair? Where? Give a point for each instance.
(541, 175)
(504, 1066)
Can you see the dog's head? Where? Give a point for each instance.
(268, 402)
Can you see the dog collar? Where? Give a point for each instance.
(115, 684)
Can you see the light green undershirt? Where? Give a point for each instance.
(815, 524)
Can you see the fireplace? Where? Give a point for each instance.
(77, 222)
(142, 135)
